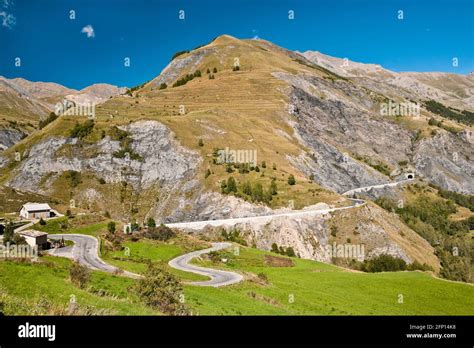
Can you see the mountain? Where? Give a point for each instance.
(307, 130)
(24, 103)
(453, 89)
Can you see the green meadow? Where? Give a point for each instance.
(273, 285)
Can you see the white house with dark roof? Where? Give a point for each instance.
(35, 211)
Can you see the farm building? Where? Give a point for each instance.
(35, 238)
(35, 211)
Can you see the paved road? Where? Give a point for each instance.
(86, 252)
(367, 188)
(263, 219)
(218, 277)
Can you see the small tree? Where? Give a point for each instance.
(200, 142)
(273, 187)
(42, 222)
(79, 275)
(208, 172)
(8, 233)
(275, 248)
(160, 289)
(208, 71)
(214, 70)
(290, 252)
(291, 180)
(151, 222)
(162, 233)
(163, 86)
(231, 185)
(111, 227)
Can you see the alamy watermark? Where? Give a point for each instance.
(18, 251)
(237, 156)
(400, 109)
(70, 108)
(347, 251)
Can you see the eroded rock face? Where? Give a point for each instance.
(447, 160)
(338, 124)
(174, 68)
(9, 137)
(164, 160)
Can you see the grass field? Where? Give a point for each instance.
(144, 251)
(313, 288)
(306, 288)
(106, 293)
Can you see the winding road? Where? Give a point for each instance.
(86, 252)
(218, 277)
(86, 248)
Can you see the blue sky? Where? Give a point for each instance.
(53, 48)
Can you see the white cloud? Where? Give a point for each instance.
(88, 30)
(8, 20)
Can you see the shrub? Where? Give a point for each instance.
(273, 187)
(79, 275)
(290, 252)
(208, 172)
(82, 130)
(200, 142)
(51, 118)
(151, 222)
(160, 289)
(42, 222)
(177, 54)
(102, 181)
(291, 180)
(163, 86)
(384, 263)
(73, 177)
(111, 227)
(275, 248)
(231, 185)
(214, 70)
(162, 233)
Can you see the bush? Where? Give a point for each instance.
(231, 185)
(163, 86)
(82, 130)
(73, 177)
(291, 180)
(51, 118)
(384, 263)
(79, 275)
(200, 143)
(214, 70)
(160, 289)
(151, 222)
(208, 172)
(177, 54)
(42, 222)
(111, 227)
(162, 233)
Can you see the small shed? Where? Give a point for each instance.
(35, 238)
